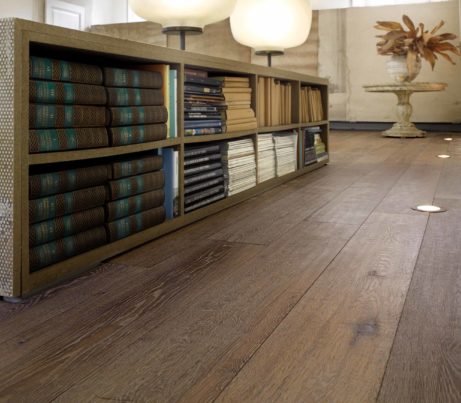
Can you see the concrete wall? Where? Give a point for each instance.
(347, 54)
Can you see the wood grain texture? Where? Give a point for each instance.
(274, 309)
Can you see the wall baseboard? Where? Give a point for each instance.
(381, 126)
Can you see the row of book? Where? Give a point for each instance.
(214, 105)
(274, 101)
(311, 105)
(314, 147)
(79, 106)
(78, 207)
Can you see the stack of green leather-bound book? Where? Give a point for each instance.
(137, 113)
(136, 195)
(67, 106)
(66, 212)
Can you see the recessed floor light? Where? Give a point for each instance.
(429, 208)
(448, 139)
(443, 156)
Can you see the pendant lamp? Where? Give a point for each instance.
(271, 26)
(183, 16)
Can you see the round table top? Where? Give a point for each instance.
(411, 87)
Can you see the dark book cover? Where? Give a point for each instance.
(202, 116)
(47, 116)
(193, 151)
(196, 169)
(134, 185)
(195, 197)
(199, 107)
(309, 140)
(195, 73)
(116, 77)
(64, 248)
(49, 183)
(51, 140)
(124, 135)
(205, 176)
(211, 82)
(61, 204)
(134, 97)
(60, 227)
(203, 185)
(137, 115)
(135, 204)
(202, 159)
(135, 223)
(203, 203)
(136, 166)
(60, 70)
(201, 89)
(203, 131)
(54, 92)
(202, 124)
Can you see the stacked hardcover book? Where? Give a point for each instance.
(67, 106)
(310, 156)
(239, 165)
(236, 108)
(286, 149)
(202, 99)
(135, 106)
(136, 196)
(66, 212)
(204, 180)
(266, 157)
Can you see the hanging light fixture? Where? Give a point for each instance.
(271, 26)
(183, 16)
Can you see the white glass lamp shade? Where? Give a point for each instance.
(183, 13)
(271, 25)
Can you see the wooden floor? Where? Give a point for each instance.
(326, 289)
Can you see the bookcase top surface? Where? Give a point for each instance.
(86, 41)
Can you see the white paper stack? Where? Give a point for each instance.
(239, 165)
(286, 150)
(266, 157)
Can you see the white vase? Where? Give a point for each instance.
(397, 68)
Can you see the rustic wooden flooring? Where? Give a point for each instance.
(328, 288)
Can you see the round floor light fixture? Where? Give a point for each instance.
(429, 208)
(183, 16)
(271, 26)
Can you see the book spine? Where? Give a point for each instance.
(199, 160)
(64, 248)
(49, 140)
(205, 202)
(201, 168)
(137, 115)
(194, 108)
(134, 185)
(203, 116)
(197, 124)
(199, 89)
(50, 230)
(61, 204)
(172, 107)
(44, 116)
(134, 97)
(136, 166)
(135, 204)
(52, 92)
(203, 177)
(203, 185)
(59, 70)
(188, 73)
(192, 152)
(50, 183)
(204, 194)
(135, 223)
(115, 77)
(204, 130)
(125, 135)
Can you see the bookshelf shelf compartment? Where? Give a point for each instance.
(26, 39)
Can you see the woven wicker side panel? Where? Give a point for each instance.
(6, 155)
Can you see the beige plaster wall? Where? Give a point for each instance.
(347, 54)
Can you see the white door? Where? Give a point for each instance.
(64, 14)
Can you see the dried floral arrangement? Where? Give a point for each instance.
(415, 43)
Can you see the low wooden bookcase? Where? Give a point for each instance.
(22, 38)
